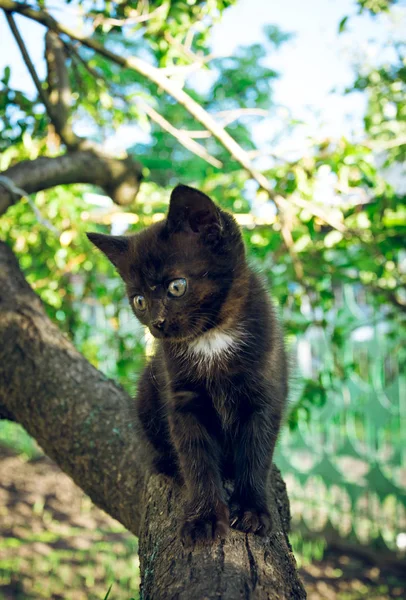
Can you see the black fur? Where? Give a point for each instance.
(214, 419)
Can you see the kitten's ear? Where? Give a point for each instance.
(191, 210)
(115, 247)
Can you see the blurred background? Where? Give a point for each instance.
(314, 94)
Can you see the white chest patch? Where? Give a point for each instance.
(214, 345)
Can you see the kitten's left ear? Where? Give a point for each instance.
(115, 247)
(193, 211)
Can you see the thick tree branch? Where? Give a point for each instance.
(119, 178)
(83, 421)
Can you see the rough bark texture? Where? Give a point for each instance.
(120, 179)
(82, 421)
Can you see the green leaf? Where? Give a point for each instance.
(342, 25)
(6, 75)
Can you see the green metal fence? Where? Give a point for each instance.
(345, 465)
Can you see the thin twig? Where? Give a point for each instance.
(28, 63)
(11, 187)
(289, 243)
(315, 210)
(170, 87)
(183, 70)
(43, 220)
(183, 138)
(228, 116)
(180, 135)
(197, 134)
(187, 52)
(18, 192)
(134, 18)
(75, 54)
(153, 74)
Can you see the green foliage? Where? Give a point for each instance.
(78, 286)
(375, 6)
(14, 436)
(167, 20)
(385, 121)
(20, 115)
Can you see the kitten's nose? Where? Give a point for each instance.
(158, 324)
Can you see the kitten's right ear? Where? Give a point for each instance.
(115, 247)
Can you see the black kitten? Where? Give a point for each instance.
(211, 399)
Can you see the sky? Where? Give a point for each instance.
(314, 63)
(317, 60)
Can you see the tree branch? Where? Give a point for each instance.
(194, 108)
(181, 136)
(83, 421)
(133, 18)
(195, 59)
(228, 117)
(59, 89)
(153, 74)
(120, 179)
(289, 243)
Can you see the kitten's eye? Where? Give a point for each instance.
(177, 287)
(139, 303)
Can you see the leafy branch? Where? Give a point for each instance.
(163, 82)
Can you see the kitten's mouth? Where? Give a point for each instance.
(167, 335)
(173, 337)
(159, 335)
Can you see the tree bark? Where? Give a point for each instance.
(119, 178)
(83, 421)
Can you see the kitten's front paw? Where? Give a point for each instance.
(205, 528)
(250, 520)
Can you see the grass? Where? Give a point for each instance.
(54, 543)
(14, 436)
(305, 550)
(35, 568)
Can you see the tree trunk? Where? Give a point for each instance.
(83, 422)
